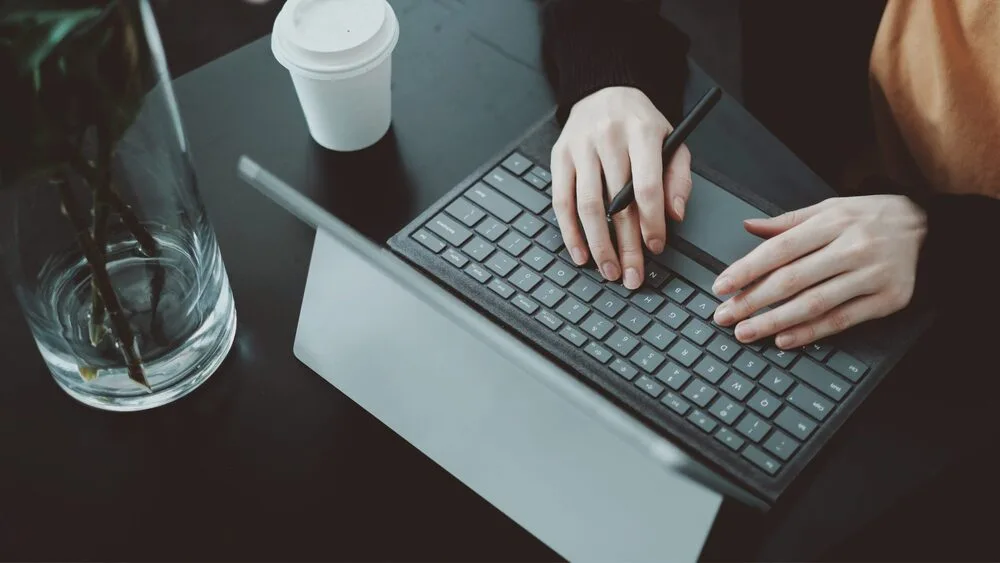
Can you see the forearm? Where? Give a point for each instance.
(593, 44)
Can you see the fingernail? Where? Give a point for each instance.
(609, 270)
(721, 285)
(679, 206)
(656, 246)
(632, 279)
(745, 332)
(784, 341)
(577, 255)
(722, 315)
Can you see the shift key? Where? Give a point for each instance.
(493, 202)
(821, 378)
(517, 190)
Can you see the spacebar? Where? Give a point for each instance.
(686, 268)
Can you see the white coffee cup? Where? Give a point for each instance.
(339, 54)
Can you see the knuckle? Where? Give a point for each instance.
(646, 190)
(745, 304)
(590, 205)
(816, 304)
(784, 249)
(789, 281)
(840, 320)
(562, 201)
(607, 128)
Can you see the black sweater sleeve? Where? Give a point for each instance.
(588, 45)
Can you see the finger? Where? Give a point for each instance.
(630, 246)
(678, 182)
(590, 204)
(617, 168)
(835, 320)
(774, 253)
(768, 227)
(647, 182)
(564, 204)
(808, 306)
(781, 284)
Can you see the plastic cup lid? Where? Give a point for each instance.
(334, 38)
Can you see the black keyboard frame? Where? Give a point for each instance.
(903, 328)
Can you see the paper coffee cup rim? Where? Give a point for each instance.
(341, 56)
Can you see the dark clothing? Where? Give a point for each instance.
(806, 79)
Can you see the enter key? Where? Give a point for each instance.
(821, 379)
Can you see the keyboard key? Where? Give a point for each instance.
(600, 353)
(560, 273)
(491, 201)
(542, 173)
(501, 288)
(465, 212)
(548, 191)
(781, 445)
(675, 403)
(698, 331)
(478, 273)
(737, 386)
(624, 369)
(673, 375)
(703, 306)
(525, 279)
(515, 243)
(517, 164)
(647, 300)
(537, 259)
(609, 304)
(634, 320)
(678, 290)
(597, 326)
(525, 304)
(456, 258)
(818, 350)
(723, 348)
(776, 381)
(684, 352)
(811, 402)
(585, 288)
(478, 249)
(753, 427)
(618, 288)
(528, 224)
(711, 369)
(847, 365)
(572, 310)
(429, 241)
(548, 319)
(501, 264)
(449, 229)
(761, 460)
(548, 294)
(622, 342)
(703, 421)
(514, 188)
(648, 359)
(783, 358)
(550, 216)
(573, 335)
(535, 181)
(821, 378)
(749, 364)
(673, 316)
(491, 229)
(655, 275)
(550, 239)
(726, 410)
(699, 392)
(658, 336)
(652, 388)
(795, 423)
(730, 439)
(764, 403)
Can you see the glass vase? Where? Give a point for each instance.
(103, 233)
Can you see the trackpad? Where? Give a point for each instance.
(713, 222)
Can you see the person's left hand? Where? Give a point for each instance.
(828, 267)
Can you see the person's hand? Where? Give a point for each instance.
(829, 267)
(617, 131)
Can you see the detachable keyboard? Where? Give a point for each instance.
(755, 411)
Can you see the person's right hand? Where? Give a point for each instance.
(619, 131)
